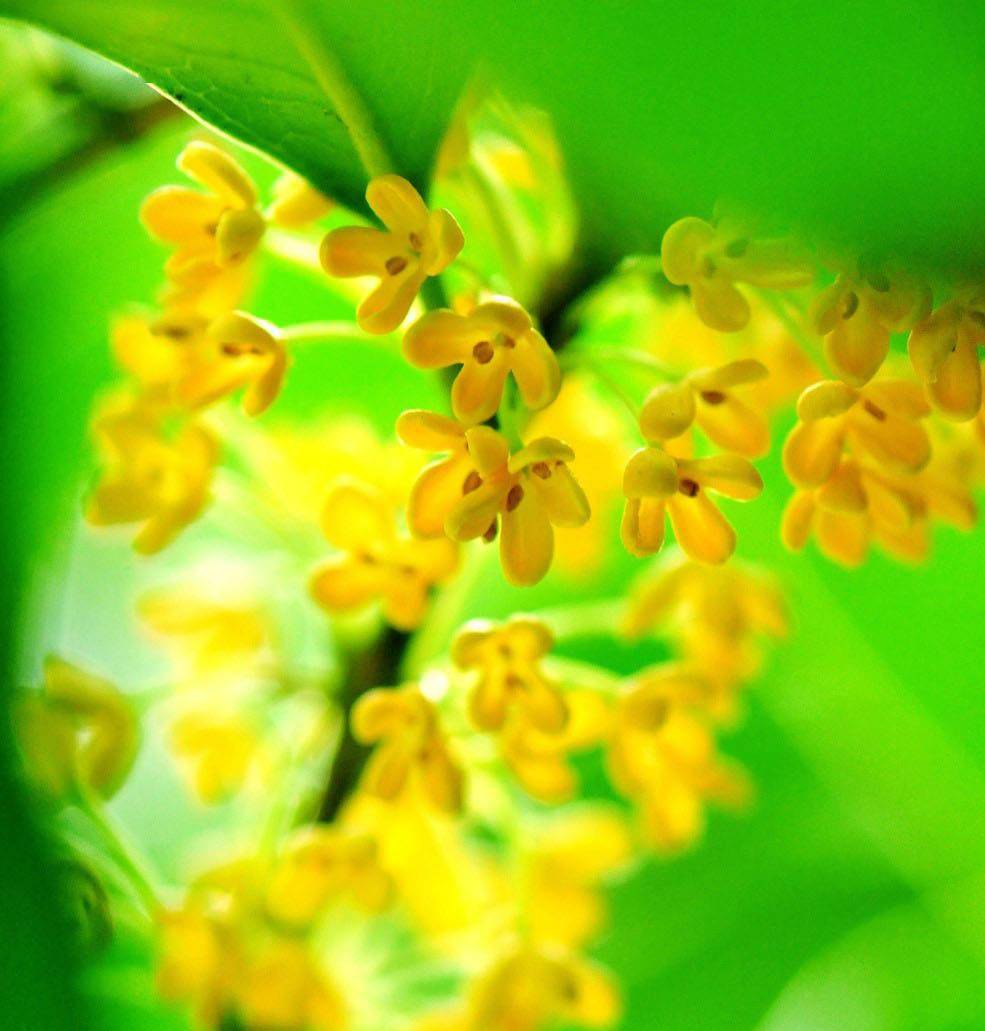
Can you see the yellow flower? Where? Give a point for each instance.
(319, 863)
(944, 352)
(213, 233)
(416, 243)
(856, 316)
(540, 760)
(209, 632)
(712, 259)
(571, 856)
(707, 397)
(880, 422)
(597, 434)
(440, 486)
(79, 729)
(664, 758)
(376, 562)
(297, 203)
(157, 352)
(714, 616)
(237, 351)
(656, 484)
(216, 749)
(149, 478)
(494, 340)
(506, 660)
(197, 962)
(532, 491)
(411, 751)
(531, 987)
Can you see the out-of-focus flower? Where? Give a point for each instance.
(530, 987)
(297, 203)
(79, 729)
(321, 863)
(856, 316)
(149, 477)
(944, 352)
(571, 856)
(415, 244)
(216, 747)
(506, 660)
(494, 340)
(411, 751)
(656, 485)
(881, 423)
(714, 616)
(532, 491)
(213, 233)
(664, 757)
(711, 259)
(376, 563)
(708, 397)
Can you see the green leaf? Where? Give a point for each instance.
(860, 123)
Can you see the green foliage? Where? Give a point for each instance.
(834, 114)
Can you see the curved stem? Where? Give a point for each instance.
(345, 100)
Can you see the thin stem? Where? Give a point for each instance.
(609, 382)
(309, 332)
(120, 850)
(631, 356)
(778, 306)
(345, 100)
(582, 619)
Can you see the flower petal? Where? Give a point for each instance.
(681, 249)
(734, 426)
(719, 304)
(386, 307)
(488, 449)
(844, 491)
(732, 374)
(217, 171)
(526, 544)
(798, 520)
(478, 387)
(812, 451)
(434, 494)
(896, 444)
(825, 400)
(177, 214)
(650, 473)
(842, 537)
(932, 341)
(858, 345)
(731, 475)
(429, 431)
(445, 242)
(643, 526)
(346, 583)
(265, 389)
(441, 338)
(957, 390)
(356, 517)
(473, 514)
(668, 411)
(559, 492)
(536, 370)
(397, 205)
(356, 251)
(702, 532)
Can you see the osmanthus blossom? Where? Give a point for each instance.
(375, 561)
(416, 243)
(880, 422)
(216, 748)
(529, 492)
(711, 259)
(296, 204)
(78, 731)
(493, 341)
(213, 233)
(657, 485)
(857, 314)
(528, 987)
(410, 753)
(711, 399)
(506, 662)
(151, 475)
(944, 352)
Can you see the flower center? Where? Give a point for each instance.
(541, 469)
(737, 247)
(712, 397)
(851, 305)
(415, 241)
(239, 350)
(472, 482)
(514, 497)
(395, 265)
(689, 488)
(483, 352)
(875, 411)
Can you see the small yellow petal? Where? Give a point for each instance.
(237, 236)
(429, 431)
(812, 450)
(798, 519)
(536, 370)
(825, 400)
(702, 532)
(681, 249)
(650, 473)
(526, 544)
(356, 517)
(667, 412)
(397, 205)
(217, 171)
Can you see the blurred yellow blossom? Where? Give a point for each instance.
(296, 203)
(376, 562)
(216, 747)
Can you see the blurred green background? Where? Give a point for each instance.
(852, 895)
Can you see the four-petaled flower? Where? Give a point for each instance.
(707, 397)
(506, 660)
(411, 750)
(856, 316)
(944, 352)
(416, 243)
(376, 562)
(150, 478)
(711, 259)
(494, 340)
(657, 484)
(237, 351)
(881, 422)
(213, 233)
(532, 491)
